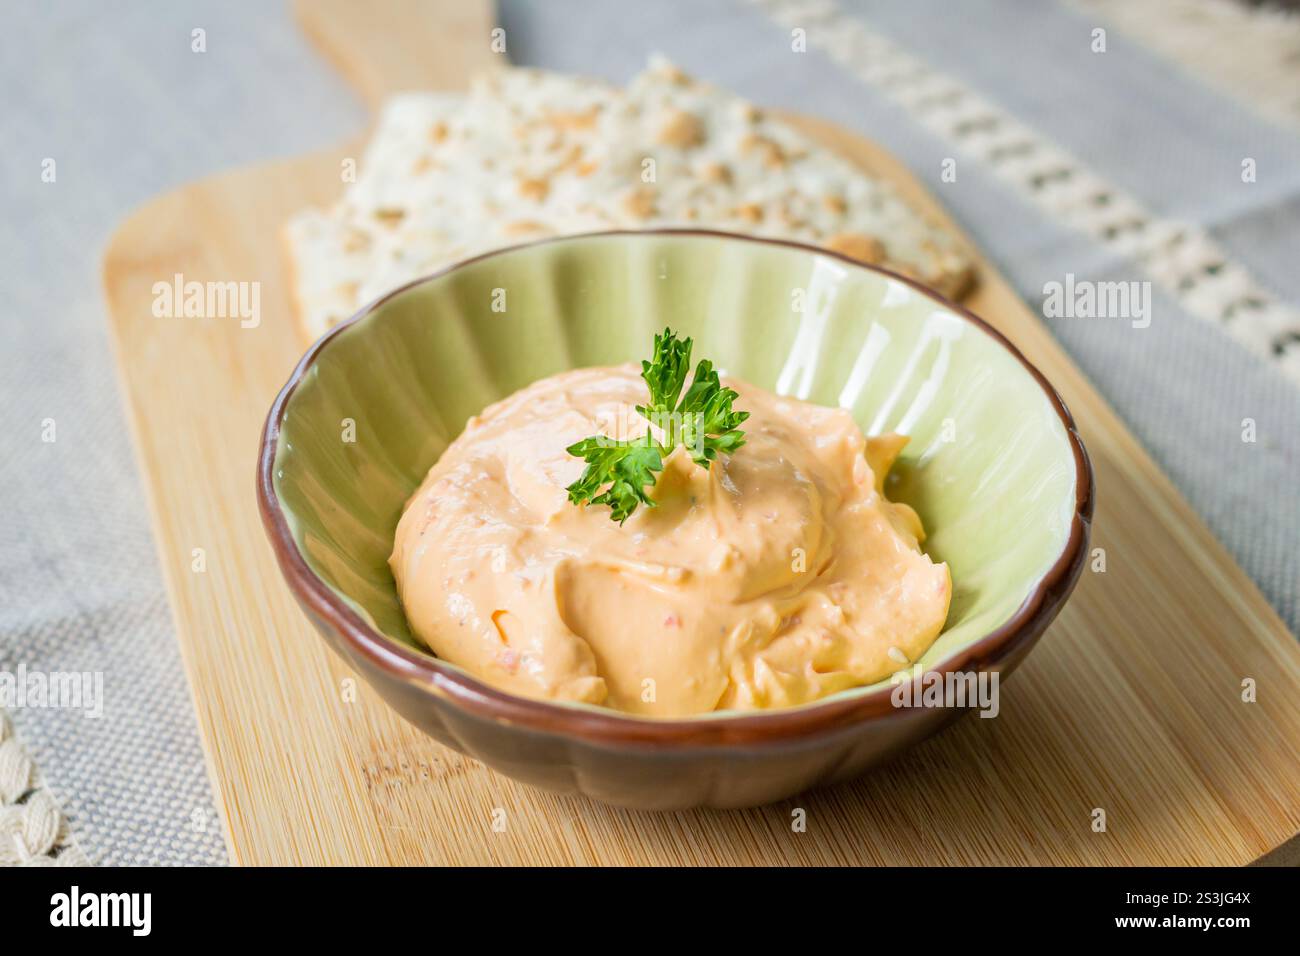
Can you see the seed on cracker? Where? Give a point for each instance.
(525, 227)
(640, 203)
(681, 129)
(858, 246)
(535, 189)
(716, 173)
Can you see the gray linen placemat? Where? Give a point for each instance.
(117, 98)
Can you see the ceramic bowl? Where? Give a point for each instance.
(995, 469)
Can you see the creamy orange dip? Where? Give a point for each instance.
(775, 577)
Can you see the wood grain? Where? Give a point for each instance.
(393, 46)
(1130, 704)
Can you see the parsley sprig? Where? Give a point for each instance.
(702, 421)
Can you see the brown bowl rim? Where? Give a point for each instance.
(610, 727)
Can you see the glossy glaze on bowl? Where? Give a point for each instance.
(994, 468)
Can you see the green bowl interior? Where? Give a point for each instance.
(989, 467)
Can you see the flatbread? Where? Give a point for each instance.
(528, 154)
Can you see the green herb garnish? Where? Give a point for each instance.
(703, 422)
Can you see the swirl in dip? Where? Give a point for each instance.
(775, 577)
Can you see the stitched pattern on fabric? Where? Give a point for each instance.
(1181, 257)
(33, 830)
(1207, 37)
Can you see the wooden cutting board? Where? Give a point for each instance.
(1131, 704)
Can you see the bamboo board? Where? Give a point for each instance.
(1130, 704)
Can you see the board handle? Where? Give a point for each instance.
(390, 46)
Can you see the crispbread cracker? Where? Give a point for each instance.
(529, 154)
